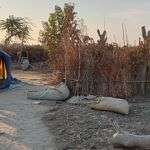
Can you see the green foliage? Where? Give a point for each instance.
(61, 23)
(70, 30)
(50, 36)
(15, 27)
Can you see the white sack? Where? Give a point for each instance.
(111, 104)
(130, 140)
(58, 93)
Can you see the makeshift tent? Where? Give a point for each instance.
(5, 70)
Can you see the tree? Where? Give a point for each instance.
(15, 27)
(50, 36)
(62, 37)
(71, 43)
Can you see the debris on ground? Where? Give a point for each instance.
(37, 103)
(81, 100)
(81, 128)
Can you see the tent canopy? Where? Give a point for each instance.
(5, 70)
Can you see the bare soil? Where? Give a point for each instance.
(21, 125)
(74, 127)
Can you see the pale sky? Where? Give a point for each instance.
(133, 13)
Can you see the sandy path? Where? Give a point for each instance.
(21, 127)
(31, 77)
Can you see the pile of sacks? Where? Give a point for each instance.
(61, 93)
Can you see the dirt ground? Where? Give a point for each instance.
(21, 125)
(80, 128)
(31, 77)
(25, 125)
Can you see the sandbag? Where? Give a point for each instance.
(126, 139)
(111, 104)
(57, 93)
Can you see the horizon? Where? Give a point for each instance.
(108, 14)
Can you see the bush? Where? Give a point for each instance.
(36, 53)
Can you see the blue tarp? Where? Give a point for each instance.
(7, 59)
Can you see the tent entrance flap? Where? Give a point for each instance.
(3, 71)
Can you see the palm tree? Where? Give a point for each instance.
(17, 27)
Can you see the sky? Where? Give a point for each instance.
(102, 14)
